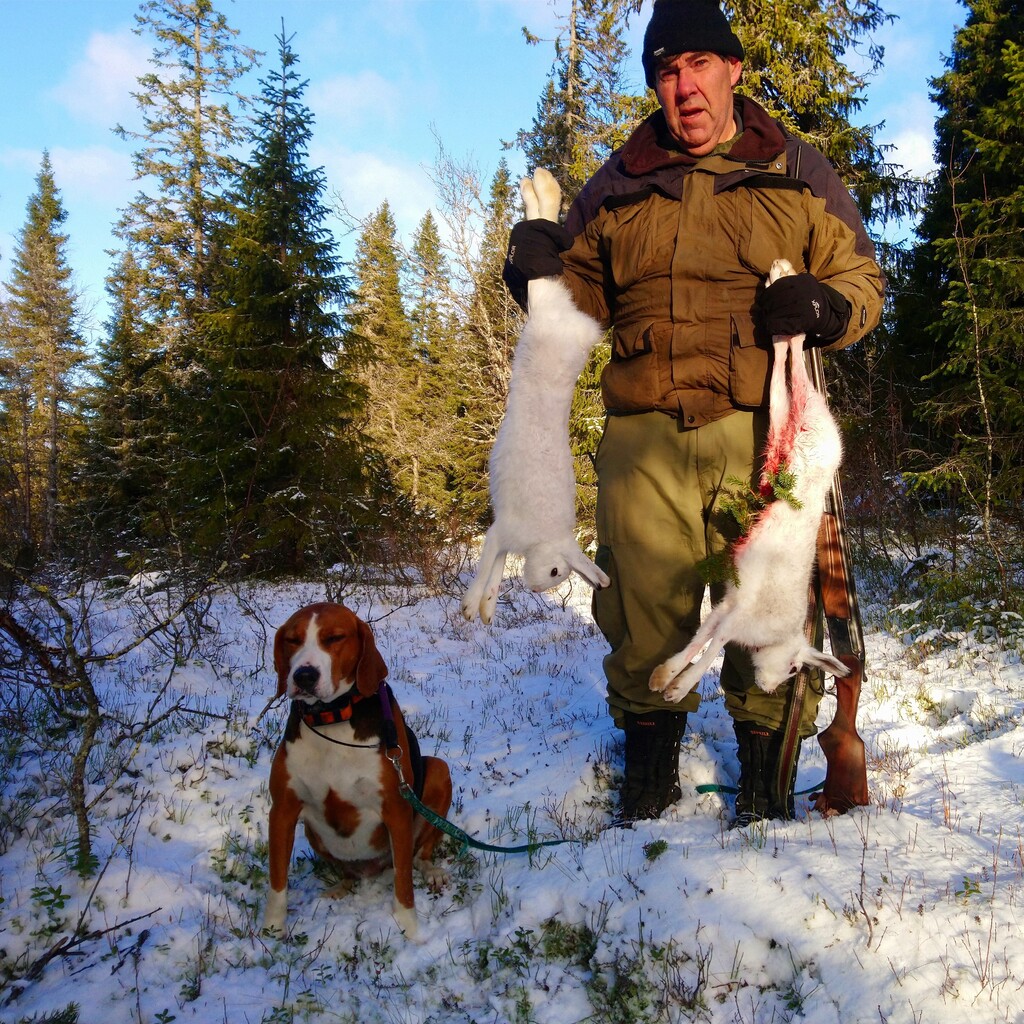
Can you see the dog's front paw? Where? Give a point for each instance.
(275, 912)
(338, 892)
(407, 921)
(435, 876)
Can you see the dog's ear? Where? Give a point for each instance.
(370, 669)
(281, 663)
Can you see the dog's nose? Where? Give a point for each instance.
(305, 677)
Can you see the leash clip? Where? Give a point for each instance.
(396, 759)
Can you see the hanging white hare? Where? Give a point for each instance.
(532, 477)
(765, 608)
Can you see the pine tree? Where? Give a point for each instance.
(44, 357)
(963, 317)
(277, 453)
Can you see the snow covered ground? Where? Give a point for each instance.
(908, 910)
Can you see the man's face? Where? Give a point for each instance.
(695, 92)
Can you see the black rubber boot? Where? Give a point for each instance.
(758, 748)
(652, 763)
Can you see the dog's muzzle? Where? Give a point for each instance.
(305, 678)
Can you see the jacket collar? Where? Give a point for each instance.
(651, 148)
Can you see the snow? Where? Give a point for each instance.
(908, 910)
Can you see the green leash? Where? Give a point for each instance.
(453, 830)
(714, 787)
(393, 752)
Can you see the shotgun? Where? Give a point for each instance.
(846, 779)
(833, 593)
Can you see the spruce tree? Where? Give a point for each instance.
(123, 500)
(45, 356)
(438, 383)
(378, 319)
(188, 139)
(797, 66)
(277, 452)
(430, 301)
(489, 327)
(962, 318)
(15, 509)
(586, 109)
(189, 129)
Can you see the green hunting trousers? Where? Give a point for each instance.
(658, 515)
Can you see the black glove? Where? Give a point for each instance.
(801, 304)
(533, 248)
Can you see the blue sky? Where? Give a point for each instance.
(387, 79)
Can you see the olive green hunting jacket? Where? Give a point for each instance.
(672, 254)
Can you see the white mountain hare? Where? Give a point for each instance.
(766, 611)
(532, 478)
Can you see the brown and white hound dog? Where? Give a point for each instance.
(332, 769)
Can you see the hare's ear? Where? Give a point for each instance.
(811, 657)
(589, 570)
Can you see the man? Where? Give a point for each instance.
(670, 243)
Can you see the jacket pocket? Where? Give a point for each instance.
(749, 366)
(637, 378)
(633, 340)
(771, 224)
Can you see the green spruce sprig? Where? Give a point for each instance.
(745, 504)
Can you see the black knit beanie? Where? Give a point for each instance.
(687, 26)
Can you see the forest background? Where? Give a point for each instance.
(283, 386)
(279, 383)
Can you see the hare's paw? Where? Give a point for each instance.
(548, 193)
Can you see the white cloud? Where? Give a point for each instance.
(98, 88)
(21, 160)
(350, 101)
(94, 174)
(913, 152)
(910, 127)
(365, 180)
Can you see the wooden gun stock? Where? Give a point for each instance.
(846, 780)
